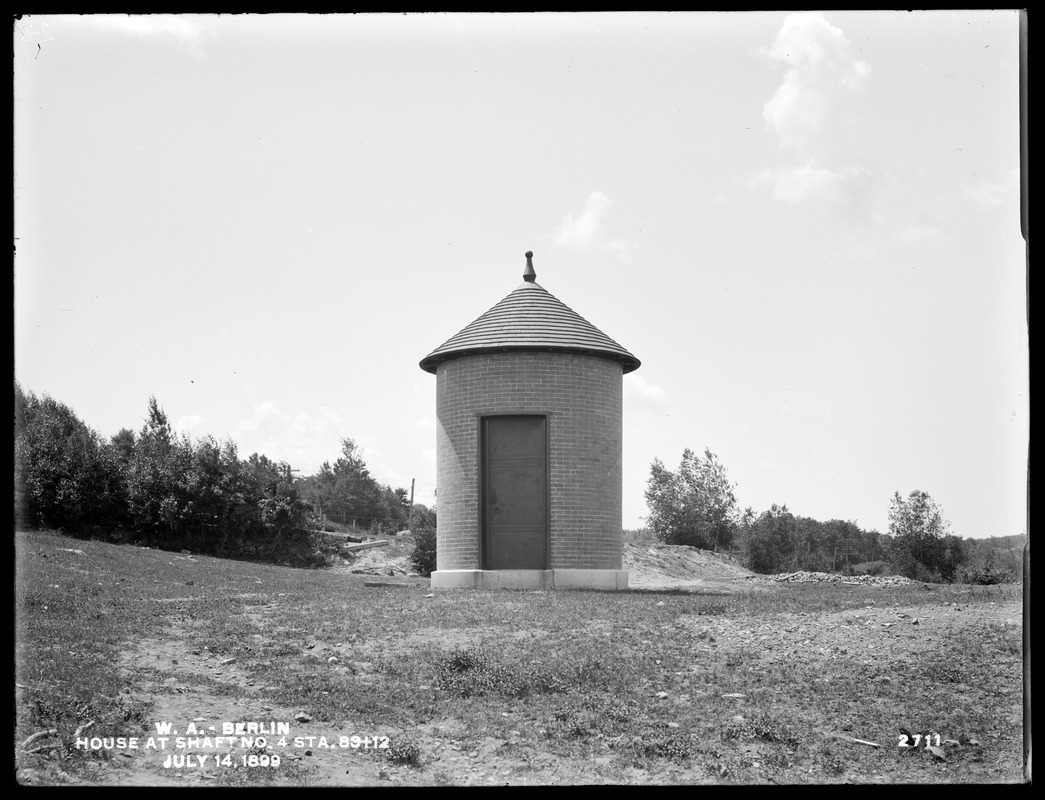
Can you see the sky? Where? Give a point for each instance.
(805, 225)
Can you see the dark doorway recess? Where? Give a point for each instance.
(515, 492)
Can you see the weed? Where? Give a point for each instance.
(672, 745)
(330, 695)
(829, 762)
(715, 764)
(574, 723)
(404, 752)
(472, 673)
(777, 761)
(592, 674)
(764, 728)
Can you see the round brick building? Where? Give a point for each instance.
(528, 448)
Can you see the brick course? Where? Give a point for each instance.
(582, 398)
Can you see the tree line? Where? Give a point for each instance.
(167, 488)
(347, 493)
(172, 490)
(695, 505)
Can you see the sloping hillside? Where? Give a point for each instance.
(666, 566)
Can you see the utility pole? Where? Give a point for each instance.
(410, 508)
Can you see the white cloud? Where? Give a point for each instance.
(991, 195)
(187, 32)
(263, 413)
(642, 397)
(305, 440)
(821, 72)
(584, 231)
(930, 223)
(795, 184)
(580, 231)
(381, 470)
(811, 109)
(189, 424)
(322, 423)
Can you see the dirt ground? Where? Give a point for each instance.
(649, 566)
(665, 566)
(447, 757)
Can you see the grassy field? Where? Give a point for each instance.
(787, 685)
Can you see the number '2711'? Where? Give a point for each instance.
(906, 740)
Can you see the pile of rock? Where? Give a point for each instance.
(825, 577)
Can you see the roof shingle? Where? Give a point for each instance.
(530, 318)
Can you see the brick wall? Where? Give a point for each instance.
(581, 396)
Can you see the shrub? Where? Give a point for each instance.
(988, 565)
(694, 505)
(769, 541)
(983, 577)
(922, 546)
(423, 527)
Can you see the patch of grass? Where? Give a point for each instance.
(64, 681)
(587, 714)
(290, 772)
(724, 766)
(473, 672)
(328, 696)
(762, 727)
(565, 675)
(710, 607)
(670, 744)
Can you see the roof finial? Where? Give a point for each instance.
(529, 275)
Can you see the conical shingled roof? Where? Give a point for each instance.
(530, 318)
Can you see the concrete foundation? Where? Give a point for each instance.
(607, 580)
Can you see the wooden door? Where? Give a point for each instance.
(515, 493)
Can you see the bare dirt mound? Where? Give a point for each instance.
(668, 566)
(391, 560)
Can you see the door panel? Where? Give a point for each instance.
(515, 506)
